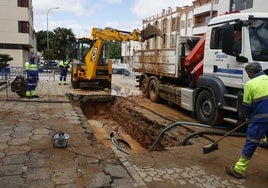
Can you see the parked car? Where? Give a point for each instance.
(121, 71)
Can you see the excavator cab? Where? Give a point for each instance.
(82, 46)
(82, 74)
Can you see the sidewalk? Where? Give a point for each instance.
(27, 156)
(28, 159)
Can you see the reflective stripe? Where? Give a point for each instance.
(253, 140)
(260, 116)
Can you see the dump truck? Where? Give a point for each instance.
(207, 77)
(89, 66)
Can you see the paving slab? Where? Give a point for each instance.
(28, 158)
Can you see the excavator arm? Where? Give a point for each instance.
(100, 35)
(93, 70)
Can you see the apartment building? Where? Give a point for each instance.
(17, 37)
(241, 6)
(168, 21)
(127, 51)
(204, 11)
(192, 20)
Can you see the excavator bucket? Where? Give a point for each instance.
(149, 32)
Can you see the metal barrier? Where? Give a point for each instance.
(11, 72)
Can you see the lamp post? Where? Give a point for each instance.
(47, 24)
(211, 10)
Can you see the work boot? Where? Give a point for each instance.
(231, 171)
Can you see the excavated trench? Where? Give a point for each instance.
(134, 125)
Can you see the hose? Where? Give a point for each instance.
(207, 132)
(116, 144)
(178, 124)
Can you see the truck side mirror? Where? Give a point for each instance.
(228, 41)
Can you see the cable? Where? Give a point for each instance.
(84, 155)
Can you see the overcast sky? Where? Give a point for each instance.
(82, 15)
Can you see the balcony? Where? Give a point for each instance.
(199, 29)
(199, 10)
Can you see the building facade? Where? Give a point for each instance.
(17, 36)
(192, 20)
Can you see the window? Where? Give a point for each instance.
(183, 24)
(237, 5)
(259, 41)
(174, 24)
(173, 40)
(164, 25)
(23, 3)
(216, 38)
(23, 27)
(190, 22)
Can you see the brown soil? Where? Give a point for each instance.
(142, 124)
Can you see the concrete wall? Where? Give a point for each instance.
(17, 45)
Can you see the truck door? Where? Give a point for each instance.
(227, 68)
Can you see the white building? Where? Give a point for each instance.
(127, 50)
(242, 6)
(17, 37)
(191, 20)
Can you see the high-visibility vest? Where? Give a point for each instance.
(255, 98)
(31, 66)
(64, 63)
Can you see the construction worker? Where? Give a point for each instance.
(32, 75)
(64, 65)
(255, 105)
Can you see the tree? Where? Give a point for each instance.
(4, 58)
(113, 49)
(60, 43)
(63, 39)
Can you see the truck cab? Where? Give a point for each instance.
(232, 41)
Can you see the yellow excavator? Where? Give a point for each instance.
(89, 66)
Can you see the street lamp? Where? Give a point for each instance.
(47, 24)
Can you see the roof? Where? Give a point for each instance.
(235, 16)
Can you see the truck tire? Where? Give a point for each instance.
(206, 110)
(154, 90)
(144, 87)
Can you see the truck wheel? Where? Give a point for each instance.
(154, 90)
(144, 87)
(206, 110)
